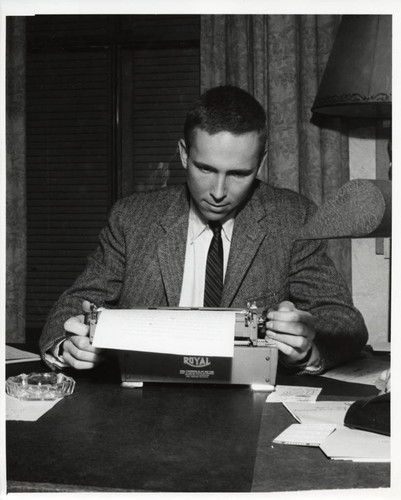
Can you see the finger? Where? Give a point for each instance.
(74, 354)
(78, 364)
(291, 353)
(282, 318)
(88, 357)
(83, 344)
(293, 316)
(286, 305)
(297, 342)
(76, 326)
(290, 328)
(285, 348)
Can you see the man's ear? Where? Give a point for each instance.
(262, 162)
(183, 153)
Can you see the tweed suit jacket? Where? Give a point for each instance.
(139, 262)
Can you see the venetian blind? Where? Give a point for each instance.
(103, 121)
(69, 148)
(163, 83)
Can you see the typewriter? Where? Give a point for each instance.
(253, 363)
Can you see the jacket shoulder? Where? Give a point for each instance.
(284, 200)
(148, 204)
(163, 195)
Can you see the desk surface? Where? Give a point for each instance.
(173, 437)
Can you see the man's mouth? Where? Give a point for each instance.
(213, 205)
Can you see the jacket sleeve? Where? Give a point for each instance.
(100, 282)
(316, 286)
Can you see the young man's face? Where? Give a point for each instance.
(221, 169)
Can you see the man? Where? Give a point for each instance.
(154, 251)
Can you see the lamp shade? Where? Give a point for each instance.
(357, 78)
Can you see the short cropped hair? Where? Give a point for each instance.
(226, 109)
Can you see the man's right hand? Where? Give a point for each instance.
(77, 350)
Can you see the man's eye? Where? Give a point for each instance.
(204, 169)
(240, 174)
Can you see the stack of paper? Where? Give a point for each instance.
(14, 355)
(321, 424)
(305, 434)
(365, 370)
(289, 393)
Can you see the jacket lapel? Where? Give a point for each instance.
(248, 235)
(171, 247)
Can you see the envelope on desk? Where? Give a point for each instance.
(356, 445)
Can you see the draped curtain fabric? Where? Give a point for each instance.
(15, 172)
(280, 60)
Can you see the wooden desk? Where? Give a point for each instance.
(173, 437)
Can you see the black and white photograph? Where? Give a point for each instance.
(199, 286)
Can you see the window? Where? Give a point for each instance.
(106, 101)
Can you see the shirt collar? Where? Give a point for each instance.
(197, 224)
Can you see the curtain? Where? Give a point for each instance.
(280, 60)
(15, 173)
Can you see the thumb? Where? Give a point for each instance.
(76, 326)
(286, 306)
(86, 306)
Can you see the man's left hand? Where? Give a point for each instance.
(292, 330)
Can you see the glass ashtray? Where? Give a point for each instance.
(40, 386)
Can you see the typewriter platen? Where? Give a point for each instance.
(254, 361)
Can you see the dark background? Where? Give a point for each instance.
(106, 101)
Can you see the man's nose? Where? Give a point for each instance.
(219, 189)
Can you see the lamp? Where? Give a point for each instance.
(357, 84)
(357, 78)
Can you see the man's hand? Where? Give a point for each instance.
(384, 381)
(292, 330)
(78, 352)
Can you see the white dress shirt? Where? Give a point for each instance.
(198, 241)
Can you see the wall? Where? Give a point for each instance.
(370, 257)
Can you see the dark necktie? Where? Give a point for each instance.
(214, 268)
